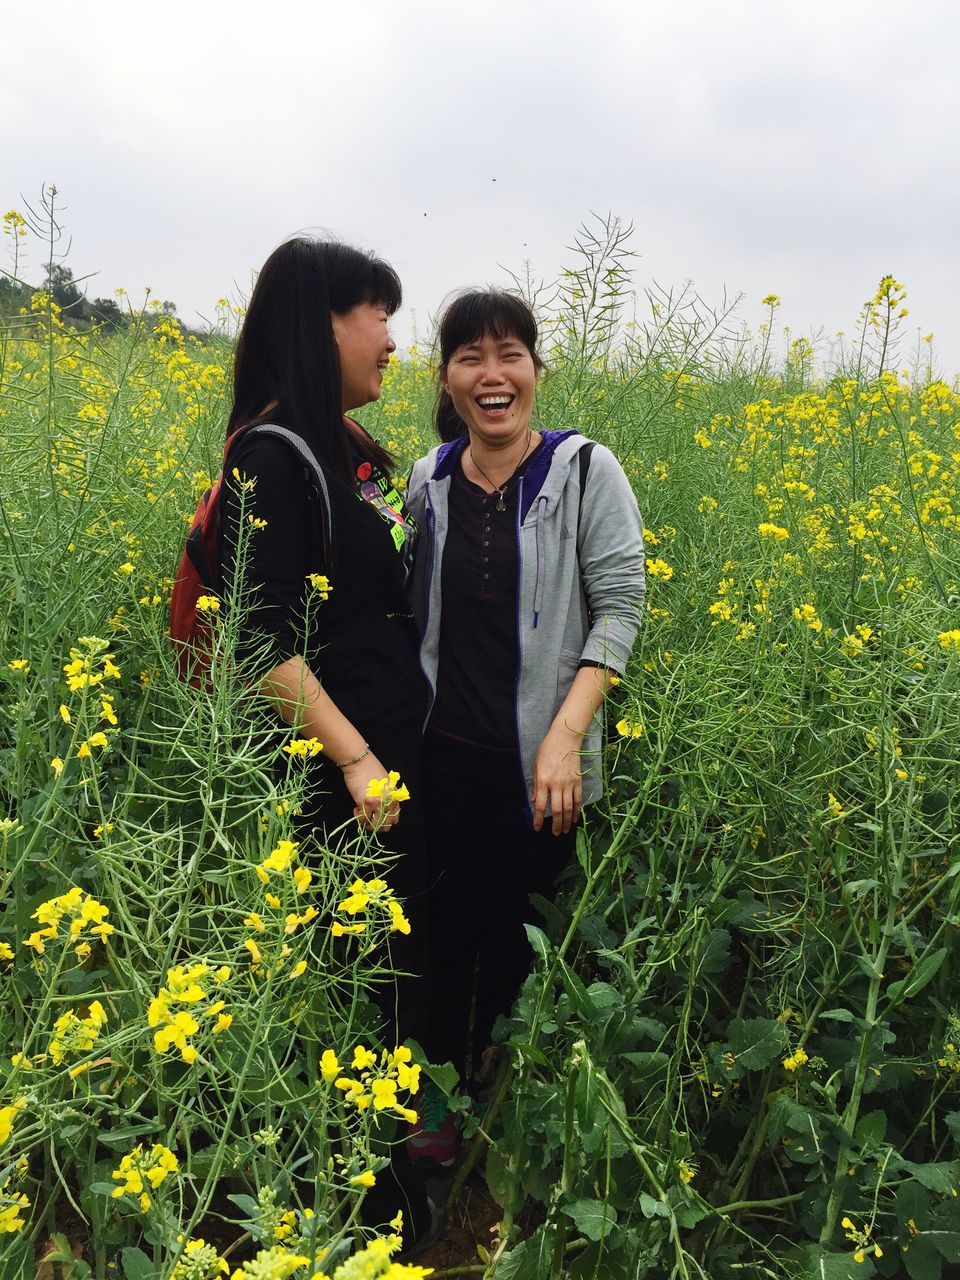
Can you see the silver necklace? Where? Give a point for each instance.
(502, 488)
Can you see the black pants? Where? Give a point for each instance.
(484, 859)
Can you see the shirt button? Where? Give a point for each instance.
(486, 543)
(486, 559)
(486, 575)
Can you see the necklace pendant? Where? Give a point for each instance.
(501, 505)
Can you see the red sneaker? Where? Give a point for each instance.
(434, 1139)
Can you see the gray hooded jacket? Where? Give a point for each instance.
(580, 584)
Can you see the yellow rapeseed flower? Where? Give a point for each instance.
(303, 747)
(321, 584)
(774, 531)
(389, 788)
(12, 1205)
(7, 1117)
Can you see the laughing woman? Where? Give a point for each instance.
(528, 588)
(314, 344)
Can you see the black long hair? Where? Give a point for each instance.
(472, 315)
(286, 352)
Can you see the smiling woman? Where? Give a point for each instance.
(327, 631)
(528, 591)
(364, 346)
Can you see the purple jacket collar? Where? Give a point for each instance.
(448, 455)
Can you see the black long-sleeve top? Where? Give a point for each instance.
(362, 642)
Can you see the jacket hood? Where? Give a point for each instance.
(542, 479)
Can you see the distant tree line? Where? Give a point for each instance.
(78, 310)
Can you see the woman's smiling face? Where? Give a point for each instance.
(492, 383)
(364, 347)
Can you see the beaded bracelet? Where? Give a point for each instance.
(356, 760)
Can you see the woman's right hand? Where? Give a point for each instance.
(374, 813)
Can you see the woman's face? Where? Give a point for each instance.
(492, 383)
(364, 346)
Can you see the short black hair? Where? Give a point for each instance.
(470, 316)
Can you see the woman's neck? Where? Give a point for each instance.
(493, 465)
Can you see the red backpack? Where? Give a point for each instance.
(200, 573)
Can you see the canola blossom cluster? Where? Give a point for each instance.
(376, 1079)
(366, 897)
(189, 1008)
(85, 915)
(142, 1172)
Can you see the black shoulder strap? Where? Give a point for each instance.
(583, 457)
(315, 471)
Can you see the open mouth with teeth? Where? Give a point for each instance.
(495, 406)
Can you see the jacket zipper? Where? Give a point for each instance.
(516, 687)
(430, 531)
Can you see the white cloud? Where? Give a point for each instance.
(802, 149)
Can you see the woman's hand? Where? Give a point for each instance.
(374, 813)
(557, 780)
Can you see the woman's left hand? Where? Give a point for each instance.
(557, 780)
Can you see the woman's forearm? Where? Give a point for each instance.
(584, 699)
(301, 700)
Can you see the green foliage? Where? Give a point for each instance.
(738, 1053)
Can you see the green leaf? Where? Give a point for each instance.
(952, 1122)
(529, 1052)
(603, 997)
(650, 1028)
(594, 1218)
(539, 942)
(946, 1243)
(918, 977)
(577, 992)
(922, 1261)
(530, 1260)
(940, 1175)
(103, 1188)
(838, 1015)
(756, 1042)
(871, 1128)
(714, 957)
(913, 1201)
(690, 1215)
(502, 1184)
(444, 1077)
(647, 1065)
(247, 1205)
(137, 1266)
(122, 1137)
(819, 1265)
(651, 1208)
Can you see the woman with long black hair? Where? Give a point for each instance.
(314, 345)
(341, 665)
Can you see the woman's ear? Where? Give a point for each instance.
(443, 379)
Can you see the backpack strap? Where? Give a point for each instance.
(583, 458)
(311, 466)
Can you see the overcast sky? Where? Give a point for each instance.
(803, 149)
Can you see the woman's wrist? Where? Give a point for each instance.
(346, 764)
